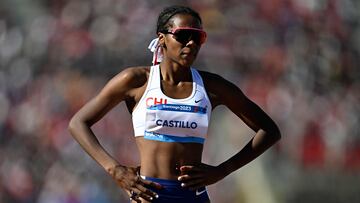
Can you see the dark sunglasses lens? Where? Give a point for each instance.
(184, 36)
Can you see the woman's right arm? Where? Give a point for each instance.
(115, 91)
(121, 87)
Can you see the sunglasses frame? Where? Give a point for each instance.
(203, 34)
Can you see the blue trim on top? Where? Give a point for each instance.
(171, 138)
(179, 108)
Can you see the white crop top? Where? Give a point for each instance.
(161, 118)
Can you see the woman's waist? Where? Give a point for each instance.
(163, 160)
(173, 191)
(166, 166)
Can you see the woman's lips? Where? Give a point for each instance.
(188, 52)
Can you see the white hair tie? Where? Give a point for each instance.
(155, 47)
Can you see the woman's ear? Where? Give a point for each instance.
(162, 40)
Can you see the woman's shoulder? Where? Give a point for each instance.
(219, 88)
(211, 78)
(135, 72)
(215, 86)
(133, 76)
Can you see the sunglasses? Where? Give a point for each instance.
(185, 34)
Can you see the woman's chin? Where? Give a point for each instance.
(187, 61)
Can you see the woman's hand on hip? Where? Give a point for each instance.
(195, 177)
(128, 179)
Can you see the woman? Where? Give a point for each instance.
(171, 105)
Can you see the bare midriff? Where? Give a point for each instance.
(163, 159)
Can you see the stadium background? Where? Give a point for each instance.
(298, 59)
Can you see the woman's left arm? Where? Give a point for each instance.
(267, 134)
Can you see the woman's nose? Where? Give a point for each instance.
(191, 42)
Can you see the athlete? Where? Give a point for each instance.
(171, 104)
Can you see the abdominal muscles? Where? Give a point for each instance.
(163, 159)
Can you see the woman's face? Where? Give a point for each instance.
(183, 53)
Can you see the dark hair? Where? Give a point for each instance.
(169, 12)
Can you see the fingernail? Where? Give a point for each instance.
(182, 184)
(179, 178)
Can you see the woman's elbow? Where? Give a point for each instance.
(273, 133)
(73, 124)
(276, 134)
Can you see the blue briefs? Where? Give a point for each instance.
(174, 193)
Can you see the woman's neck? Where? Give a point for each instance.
(174, 73)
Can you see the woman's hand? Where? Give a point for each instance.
(129, 180)
(195, 177)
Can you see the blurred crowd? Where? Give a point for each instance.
(297, 59)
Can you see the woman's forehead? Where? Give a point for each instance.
(184, 20)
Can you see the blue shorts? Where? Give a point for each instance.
(174, 193)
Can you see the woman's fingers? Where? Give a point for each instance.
(152, 184)
(146, 193)
(189, 169)
(191, 172)
(133, 196)
(137, 188)
(141, 193)
(136, 199)
(185, 178)
(199, 175)
(194, 182)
